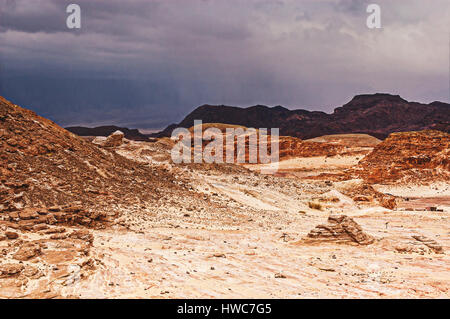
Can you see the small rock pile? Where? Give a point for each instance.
(430, 243)
(340, 229)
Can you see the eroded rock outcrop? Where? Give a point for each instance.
(9, 270)
(289, 147)
(430, 243)
(340, 229)
(114, 140)
(409, 157)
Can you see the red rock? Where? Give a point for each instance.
(84, 235)
(59, 236)
(13, 215)
(40, 227)
(409, 157)
(362, 198)
(28, 213)
(27, 251)
(9, 270)
(56, 230)
(32, 272)
(11, 235)
(114, 140)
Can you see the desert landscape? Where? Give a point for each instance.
(346, 215)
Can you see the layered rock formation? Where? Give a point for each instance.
(289, 147)
(409, 157)
(340, 229)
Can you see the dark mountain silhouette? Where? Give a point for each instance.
(131, 134)
(375, 114)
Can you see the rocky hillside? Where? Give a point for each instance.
(289, 146)
(409, 157)
(43, 165)
(377, 115)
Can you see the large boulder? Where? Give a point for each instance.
(114, 140)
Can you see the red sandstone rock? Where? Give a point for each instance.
(114, 140)
(9, 270)
(11, 235)
(409, 157)
(27, 251)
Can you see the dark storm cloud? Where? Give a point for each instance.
(150, 62)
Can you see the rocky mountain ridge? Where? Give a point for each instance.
(131, 134)
(374, 114)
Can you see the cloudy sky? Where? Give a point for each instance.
(147, 63)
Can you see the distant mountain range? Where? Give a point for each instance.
(131, 134)
(374, 114)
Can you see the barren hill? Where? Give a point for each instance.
(377, 115)
(43, 164)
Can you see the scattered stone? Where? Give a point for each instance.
(409, 249)
(430, 243)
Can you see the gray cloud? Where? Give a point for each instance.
(150, 62)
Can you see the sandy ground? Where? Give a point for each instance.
(254, 249)
(202, 263)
